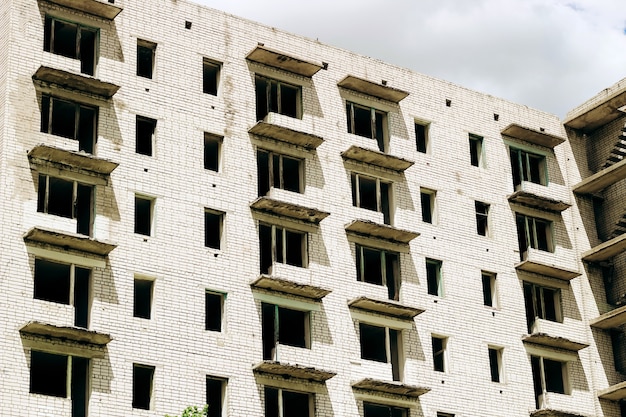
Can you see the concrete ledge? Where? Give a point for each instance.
(372, 89)
(530, 199)
(547, 412)
(290, 287)
(381, 231)
(547, 270)
(554, 342)
(74, 334)
(64, 240)
(376, 158)
(615, 392)
(606, 250)
(386, 307)
(602, 179)
(292, 211)
(388, 387)
(533, 136)
(273, 58)
(71, 81)
(293, 371)
(599, 111)
(94, 7)
(287, 135)
(611, 319)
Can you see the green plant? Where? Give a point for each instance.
(194, 411)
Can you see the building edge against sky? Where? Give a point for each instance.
(199, 208)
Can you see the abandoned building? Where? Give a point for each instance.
(201, 209)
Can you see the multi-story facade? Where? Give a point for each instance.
(201, 209)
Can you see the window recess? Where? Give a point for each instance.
(286, 326)
(145, 58)
(541, 303)
(440, 355)
(276, 170)
(284, 403)
(548, 376)
(143, 376)
(382, 344)
(369, 123)
(73, 41)
(372, 194)
(67, 198)
(70, 120)
(380, 410)
(215, 395)
(528, 166)
(274, 96)
(482, 218)
(477, 157)
(281, 245)
(379, 267)
(533, 233)
(210, 76)
(434, 277)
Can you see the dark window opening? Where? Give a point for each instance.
(215, 388)
(495, 364)
(142, 298)
(210, 77)
(379, 410)
(213, 310)
(476, 150)
(82, 279)
(282, 403)
(285, 326)
(278, 171)
(541, 302)
(482, 218)
(145, 58)
(527, 166)
(439, 353)
(48, 374)
(213, 222)
(434, 280)
(548, 376)
(427, 198)
(382, 344)
(143, 215)
(367, 122)
(70, 120)
(379, 267)
(68, 199)
(372, 194)
(534, 233)
(212, 149)
(489, 289)
(143, 376)
(72, 41)
(280, 245)
(277, 97)
(144, 135)
(421, 137)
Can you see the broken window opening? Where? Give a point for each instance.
(144, 135)
(210, 76)
(548, 376)
(528, 166)
(66, 198)
(380, 410)
(490, 292)
(367, 122)
(434, 279)
(73, 41)
(70, 120)
(372, 194)
(280, 245)
(144, 210)
(279, 171)
(145, 58)
(380, 267)
(440, 345)
(283, 403)
(543, 303)
(213, 225)
(534, 233)
(285, 326)
(421, 137)
(495, 364)
(142, 298)
(143, 376)
(382, 344)
(213, 311)
(212, 150)
(429, 208)
(273, 96)
(476, 150)
(482, 218)
(215, 394)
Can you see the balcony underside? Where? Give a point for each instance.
(388, 387)
(386, 307)
(611, 320)
(287, 135)
(77, 82)
(74, 334)
(376, 158)
(533, 200)
(289, 210)
(372, 89)
(598, 115)
(615, 392)
(547, 412)
(554, 342)
(533, 136)
(602, 179)
(273, 58)
(606, 250)
(289, 287)
(547, 270)
(371, 229)
(64, 241)
(293, 371)
(94, 7)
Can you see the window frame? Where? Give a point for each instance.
(387, 212)
(385, 256)
(538, 299)
(223, 384)
(269, 178)
(140, 140)
(145, 46)
(496, 364)
(150, 388)
(540, 381)
(382, 142)
(151, 212)
(47, 125)
(531, 235)
(273, 250)
(217, 71)
(440, 292)
(270, 347)
(83, 226)
(394, 411)
(442, 352)
(268, 103)
(218, 217)
(394, 349)
(482, 218)
(145, 280)
(217, 142)
(422, 137)
(222, 303)
(477, 150)
(522, 169)
(50, 23)
(432, 213)
(490, 282)
(280, 405)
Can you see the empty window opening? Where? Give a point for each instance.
(144, 135)
(482, 218)
(541, 302)
(273, 96)
(380, 267)
(421, 137)
(434, 279)
(64, 284)
(534, 233)
(213, 224)
(144, 207)
(367, 122)
(73, 41)
(212, 150)
(495, 364)
(548, 376)
(143, 376)
(440, 414)
(142, 298)
(490, 290)
(279, 171)
(213, 311)
(372, 194)
(382, 344)
(66, 198)
(283, 403)
(528, 166)
(285, 326)
(429, 208)
(439, 353)
(145, 58)
(70, 120)
(379, 410)
(280, 245)
(476, 150)
(215, 394)
(210, 76)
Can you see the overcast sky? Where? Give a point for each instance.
(547, 54)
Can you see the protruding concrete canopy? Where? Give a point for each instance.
(287, 135)
(386, 307)
(548, 412)
(372, 89)
(611, 320)
(74, 334)
(272, 58)
(549, 270)
(554, 342)
(290, 287)
(602, 179)
(97, 8)
(615, 392)
(381, 231)
(534, 136)
(65, 240)
(292, 211)
(389, 387)
(286, 370)
(376, 158)
(606, 250)
(598, 114)
(71, 81)
(529, 199)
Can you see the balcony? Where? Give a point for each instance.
(65, 241)
(385, 307)
(548, 412)
(381, 91)
(286, 130)
(76, 82)
(606, 250)
(554, 342)
(285, 286)
(289, 371)
(65, 339)
(377, 159)
(552, 198)
(599, 110)
(96, 8)
(272, 58)
(370, 229)
(386, 387)
(610, 320)
(265, 205)
(615, 392)
(602, 179)
(536, 137)
(551, 264)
